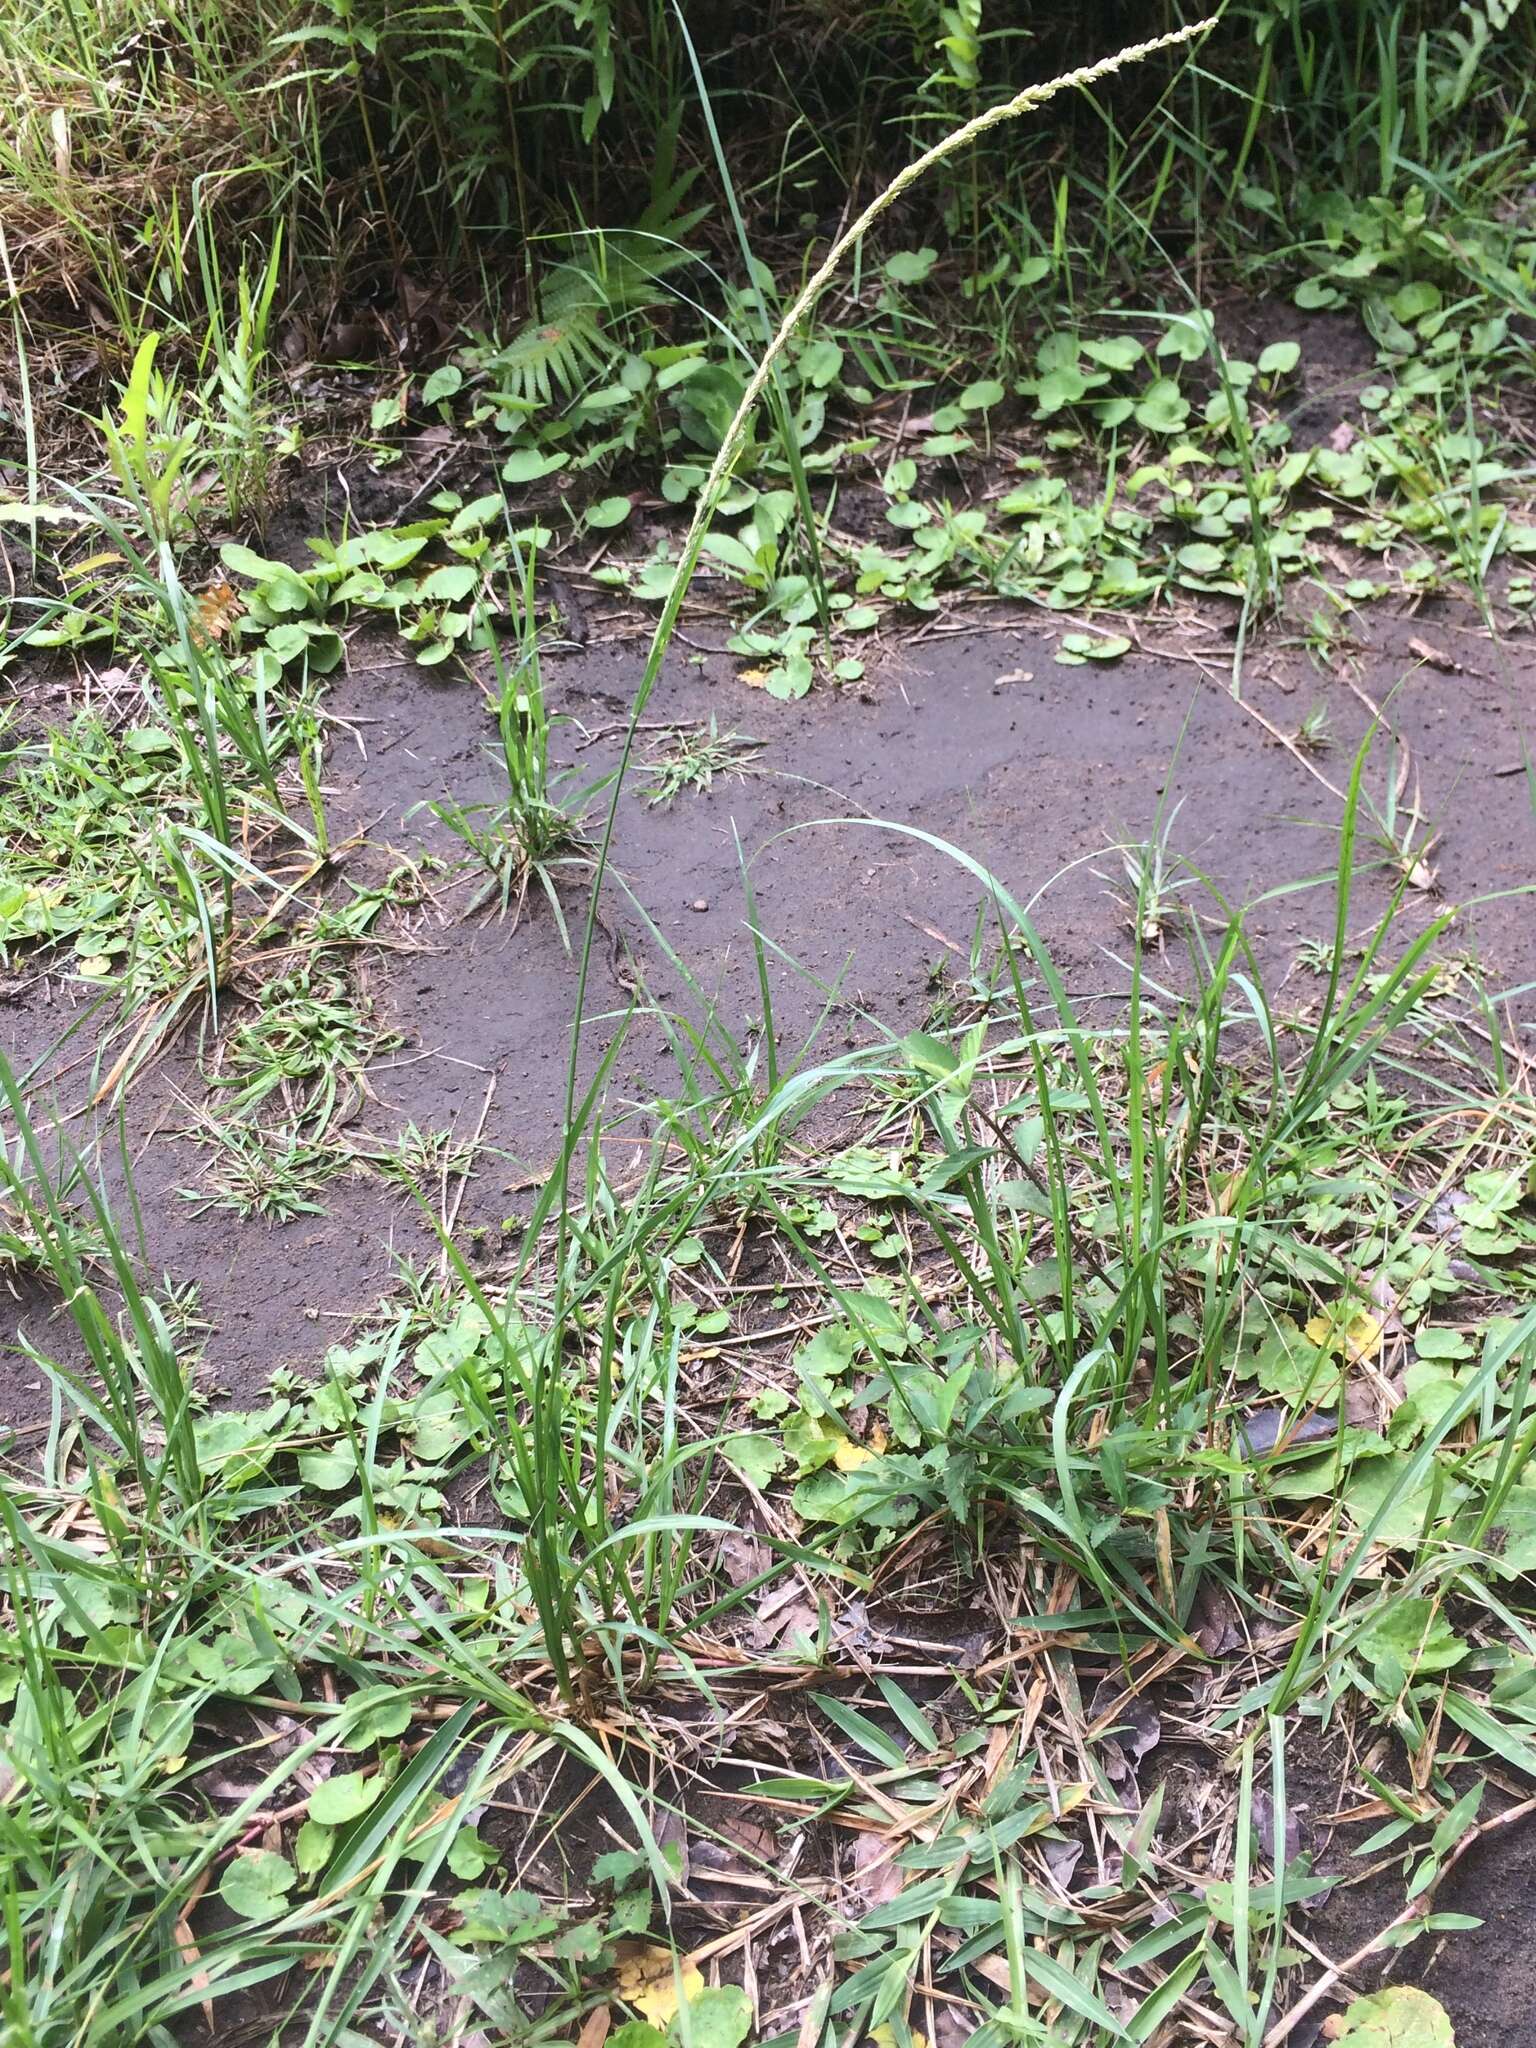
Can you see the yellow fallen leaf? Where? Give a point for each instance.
(753, 677)
(646, 1978)
(884, 2036)
(849, 1456)
(1359, 1338)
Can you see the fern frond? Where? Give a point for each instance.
(552, 355)
(610, 273)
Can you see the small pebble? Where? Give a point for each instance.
(699, 903)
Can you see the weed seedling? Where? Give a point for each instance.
(1151, 883)
(254, 1171)
(532, 836)
(1314, 735)
(695, 756)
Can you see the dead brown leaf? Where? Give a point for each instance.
(594, 2031)
(815, 2015)
(1434, 657)
(186, 1945)
(750, 1835)
(994, 1969)
(874, 1861)
(782, 1621)
(743, 1556)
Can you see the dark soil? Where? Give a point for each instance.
(976, 738)
(1481, 1975)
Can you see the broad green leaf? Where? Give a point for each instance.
(337, 1800)
(329, 1471)
(388, 550)
(637, 2034)
(1162, 407)
(1116, 352)
(1288, 1364)
(608, 512)
(288, 642)
(470, 1857)
(1372, 1486)
(527, 465)
(246, 562)
(377, 1713)
(910, 266)
(791, 678)
(1202, 559)
(757, 1457)
(1187, 336)
(1415, 1634)
(720, 2017)
(232, 1664)
(444, 382)
(1399, 2017)
(1076, 648)
(510, 1919)
(255, 1886)
(312, 1849)
(450, 583)
(821, 362)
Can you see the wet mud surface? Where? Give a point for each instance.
(978, 740)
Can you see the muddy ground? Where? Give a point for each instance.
(976, 737)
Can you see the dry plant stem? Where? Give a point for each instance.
(451, 1212)
(949, 145)
(1414, 1910)
(1291, 747)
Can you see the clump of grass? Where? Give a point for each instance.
(258, 1170)
(535, 835)
(422, 1296)
(24, 1243)
(1314, 735)
(423, 1159)
(1153, 880)
(302, 1046)
(693, 757)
